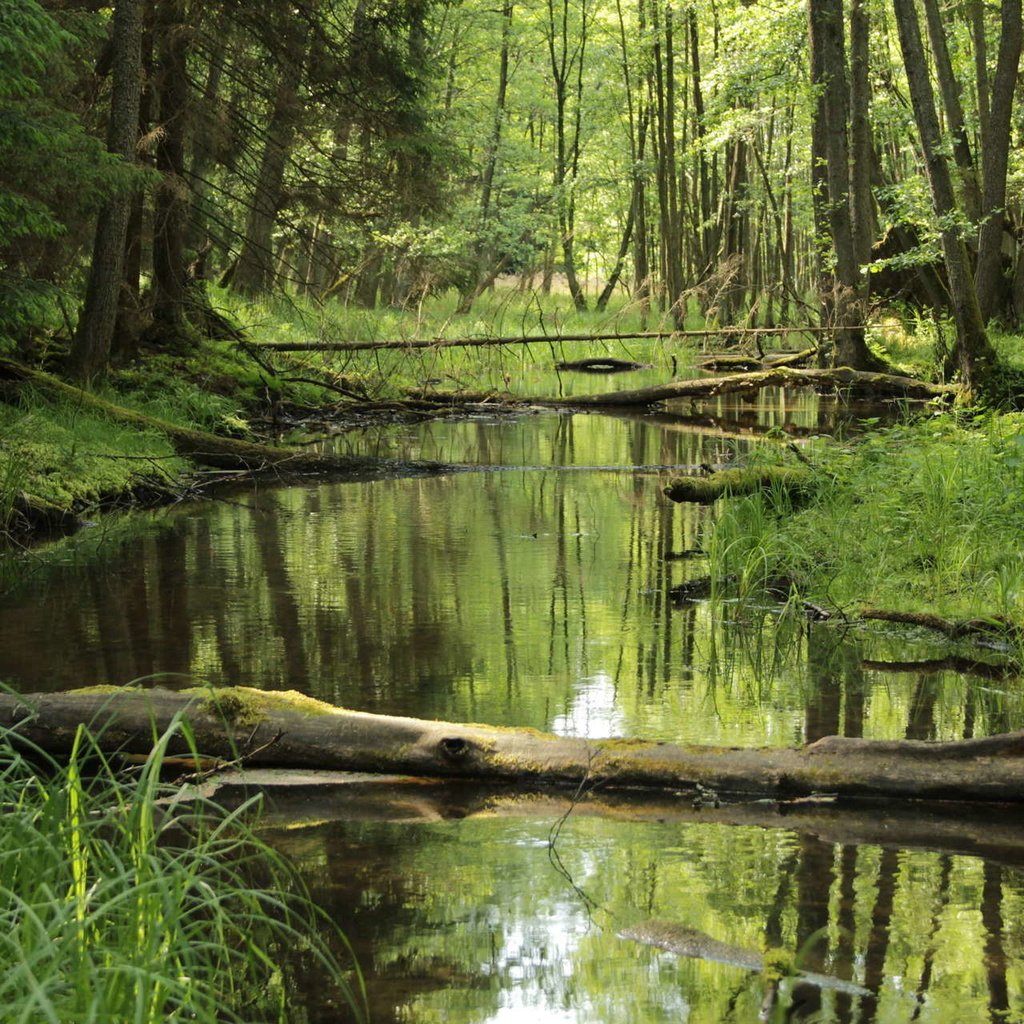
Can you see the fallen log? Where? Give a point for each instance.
(998, 626)
(842, 379)
(291, 730)
(731, 483)
(529, 339)
(221, 452)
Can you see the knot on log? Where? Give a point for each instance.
(455, 748)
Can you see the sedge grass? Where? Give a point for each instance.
(114, 909)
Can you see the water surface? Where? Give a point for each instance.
(536, 592)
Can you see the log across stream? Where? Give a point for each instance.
(290, 730)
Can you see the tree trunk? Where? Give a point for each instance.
(991, 284)
(484, 257)
(91, 347)
(566, 55)
(254, 274)
(173, 40)
(862, 205)
(271, 728)
(845, 305)
(974, 353)
(950, 89)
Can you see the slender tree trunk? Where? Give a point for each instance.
(825, 21)
(620, 259)
(172, 35)
(91, 347)
(862, 206)
(484, 256)
(977, 18)
(206, 126)
(254, 274)
(950, 89)
(995, 147)
(704, 206)
(673, 215)
(566, 51)
(974, 352)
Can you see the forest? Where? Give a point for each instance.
(741, 163)
(641, 378)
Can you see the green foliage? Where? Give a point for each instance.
(122, 901)
(53, 173)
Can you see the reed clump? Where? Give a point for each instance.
(121, 900)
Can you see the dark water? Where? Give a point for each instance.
(537, 594)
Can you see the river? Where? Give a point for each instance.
(535, 592)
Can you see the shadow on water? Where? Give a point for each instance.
(539, 596)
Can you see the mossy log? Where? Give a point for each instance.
(956, 629)
(220, 452)
(290, 730)
(30, 513)
(730, 483)
(840, 379)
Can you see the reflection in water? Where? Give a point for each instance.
(540, 597)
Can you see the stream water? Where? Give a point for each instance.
(537, 594)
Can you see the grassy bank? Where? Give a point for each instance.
(927, 516)
(113, 908)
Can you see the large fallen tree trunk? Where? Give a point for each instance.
(842, 379)
(878, 385)
(213, 450)
(289, 729)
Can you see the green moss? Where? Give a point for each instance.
(778, 964)
(76, 458)
(243, 705)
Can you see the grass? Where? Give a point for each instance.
(919, 517)
(73, 457)
(116, 905)
(384, 375)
